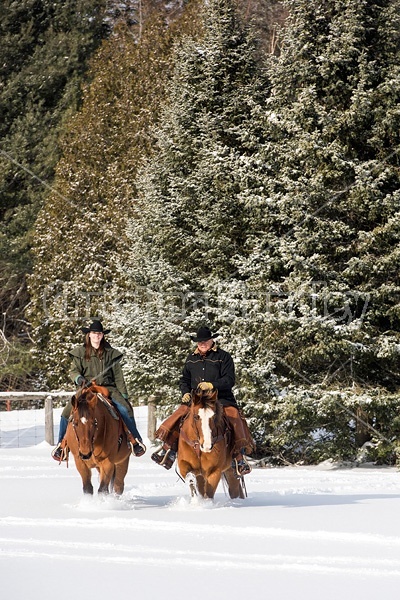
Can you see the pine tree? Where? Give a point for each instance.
(44, 48)
(324, 264)
(192, 215)
(84, 218)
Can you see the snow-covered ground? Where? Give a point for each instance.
(303, 533)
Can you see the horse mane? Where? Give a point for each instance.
(209, 399)
(83, 407)
(84, 396)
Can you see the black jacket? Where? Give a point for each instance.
(216, 367)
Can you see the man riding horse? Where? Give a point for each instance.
(207, 365)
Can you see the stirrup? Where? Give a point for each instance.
(137, 448)
(165, 458)
(240, 467)
(60, 453)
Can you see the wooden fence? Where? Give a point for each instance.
(50, 397)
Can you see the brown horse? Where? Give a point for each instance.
(97, 439)
(204, 448)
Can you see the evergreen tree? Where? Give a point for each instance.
(84, 219)
(191, 214)
(324, 263)
(44, 47)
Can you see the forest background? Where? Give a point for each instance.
(165, 165)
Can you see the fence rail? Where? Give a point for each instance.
(49, 398)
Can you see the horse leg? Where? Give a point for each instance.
(86, 475)
(187, 474)
(119, 476)
(201, 485)
(234, 484)
(211, 483)
(106, 473)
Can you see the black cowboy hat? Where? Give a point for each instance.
(97, 327)
(203, 335)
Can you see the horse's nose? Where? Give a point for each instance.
(206, 448)
(85, 456)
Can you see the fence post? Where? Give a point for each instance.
(48, 421)
(152, 417)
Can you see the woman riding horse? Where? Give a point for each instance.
(97, 361)
(97, 440)
(207, 364)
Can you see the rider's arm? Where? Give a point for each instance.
(185, 382)
(119, 378)
(76, 369)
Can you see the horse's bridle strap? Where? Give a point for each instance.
(195, 444)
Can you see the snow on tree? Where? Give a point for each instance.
(80, 231)
(324, 261)
(192, 217)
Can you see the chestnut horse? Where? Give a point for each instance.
(204, 449)
(97, 439)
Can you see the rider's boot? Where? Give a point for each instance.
(136, 445)
(60, 452)
(240, 465)
(165, 457)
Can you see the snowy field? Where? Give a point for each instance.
(303, 533)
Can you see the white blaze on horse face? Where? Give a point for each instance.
(205, 415)
(83, 420)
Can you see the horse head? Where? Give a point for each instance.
(208, 411)
(84, 421)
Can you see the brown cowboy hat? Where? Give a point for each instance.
(97, 327)
(203, 335)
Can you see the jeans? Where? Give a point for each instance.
(63, 428)
(129, 421)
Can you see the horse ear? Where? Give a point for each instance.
(74, 401)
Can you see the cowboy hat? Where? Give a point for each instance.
(203, 335)
(97, 327)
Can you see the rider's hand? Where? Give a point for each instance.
(81, 381)
(205, 386)
(186, 398)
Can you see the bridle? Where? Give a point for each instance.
(196, 444)
(74, 427)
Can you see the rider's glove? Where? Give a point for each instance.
(186, 398)
(205, 386)
(81, 381)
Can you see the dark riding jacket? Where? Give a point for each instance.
(106, 371)
(216, 367)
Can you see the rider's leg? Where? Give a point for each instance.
(59, 451)
(168, 432)
(242, 440)
(166, 457)
(126, 411)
